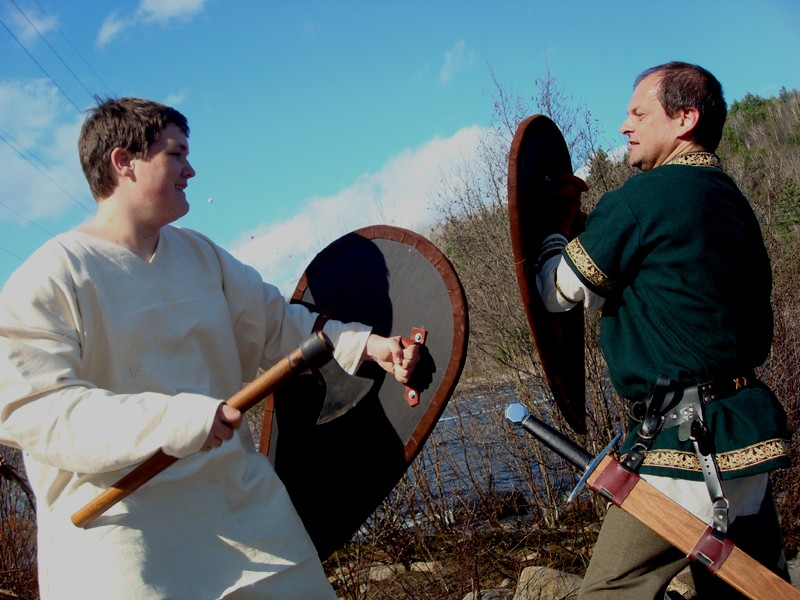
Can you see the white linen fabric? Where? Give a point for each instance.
(104, 359)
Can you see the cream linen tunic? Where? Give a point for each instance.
(104, 359)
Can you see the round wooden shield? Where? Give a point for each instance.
(338, 473)
(537, 158)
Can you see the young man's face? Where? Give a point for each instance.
(652, 134)
(163, 175)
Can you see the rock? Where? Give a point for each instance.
(543, 583)
(384, 572)
(794, 570)
(426, 567)
(490, 595)
(682, 585)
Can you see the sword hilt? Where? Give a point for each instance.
(559, 443)
(550, 437)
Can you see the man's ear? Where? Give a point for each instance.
(122, 163)
(689, 117)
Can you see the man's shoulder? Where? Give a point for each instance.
(676, 182)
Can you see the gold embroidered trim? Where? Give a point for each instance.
(697, 159)
(587, 266)
(734, 460)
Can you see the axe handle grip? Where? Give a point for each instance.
(310, 351)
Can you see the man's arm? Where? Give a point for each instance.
(559, 287)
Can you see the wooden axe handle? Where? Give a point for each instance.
(242, 400)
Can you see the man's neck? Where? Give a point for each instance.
(114, 224)
(683, 147)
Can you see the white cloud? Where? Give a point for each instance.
(398, 194)
(176, 99)
(162, 12)
(111, 28)
(28, 26)
(310, 28)
(40, 173)
(456, 60)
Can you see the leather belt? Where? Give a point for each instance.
(673, 406)
(705, 392)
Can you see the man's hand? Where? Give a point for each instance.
(568, 216)
(226, 421)
(395, 355)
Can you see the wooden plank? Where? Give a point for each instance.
(682, 529)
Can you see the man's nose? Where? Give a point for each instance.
(625, 128)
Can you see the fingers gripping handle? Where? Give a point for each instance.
(418, 336)
(314, 349)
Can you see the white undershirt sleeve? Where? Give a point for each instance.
(561, 290)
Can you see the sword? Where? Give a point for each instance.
(559, 443)
(678, 526)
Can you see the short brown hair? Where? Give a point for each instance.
(129, 123)
(684, 85)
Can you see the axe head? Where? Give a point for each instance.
(342, 390)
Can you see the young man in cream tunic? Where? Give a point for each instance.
(125, 336)
(675, 262)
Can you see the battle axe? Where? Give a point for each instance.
(343, 391)
(679, 527)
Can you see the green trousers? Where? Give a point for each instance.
(631, 562)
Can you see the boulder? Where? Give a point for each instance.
(543, 583)
(490, 595)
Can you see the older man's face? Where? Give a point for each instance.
(652, 134)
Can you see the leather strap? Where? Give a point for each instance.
(711, 551)
(319, 324)
(615, 483)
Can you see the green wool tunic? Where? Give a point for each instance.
(678, 255)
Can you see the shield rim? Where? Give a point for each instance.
(569, 398)
(458, 302)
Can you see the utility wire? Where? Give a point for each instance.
(74, 48)
(24, 218)
(53, 50)
(14, 254)
(21, 45)
(4, 135)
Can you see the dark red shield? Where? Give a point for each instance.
(538, 158)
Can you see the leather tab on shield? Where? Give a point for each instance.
(418, 336)
(614, 483)
(711, 551)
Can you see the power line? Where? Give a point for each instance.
(24, 218)
(21, 45)
(74, 48)
(14, 254)
(53, 50)
(4, 135)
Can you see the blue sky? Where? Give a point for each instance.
(313, 118)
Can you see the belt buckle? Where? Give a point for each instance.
(706, 391)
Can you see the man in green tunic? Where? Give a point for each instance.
(676, 262)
